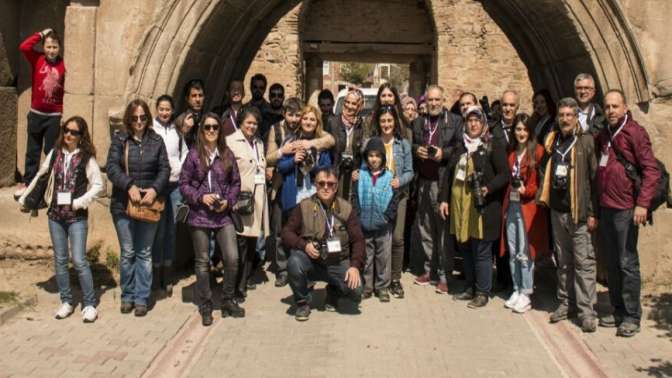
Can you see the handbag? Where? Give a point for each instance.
(245, 202)
(237, 221)
(144, 213)
(35, 198)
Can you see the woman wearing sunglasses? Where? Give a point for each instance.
(76, 182)
(210, 184)
(137, 166)
(298, 169)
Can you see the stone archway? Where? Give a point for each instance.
(217, 40)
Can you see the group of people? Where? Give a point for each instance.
(349, 200)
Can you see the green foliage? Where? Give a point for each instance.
(356, 73)
(93, 254)
(112, 260)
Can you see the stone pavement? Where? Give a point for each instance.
(423, 335)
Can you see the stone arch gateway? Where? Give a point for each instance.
(217, 40)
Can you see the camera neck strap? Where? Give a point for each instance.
(612, 136)
(563, 154)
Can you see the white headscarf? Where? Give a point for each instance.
(470, 143)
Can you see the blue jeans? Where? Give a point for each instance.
(520, 261)
(135, 241)
(62, 232)
(302, 268)
(477, 264)
(163, 250)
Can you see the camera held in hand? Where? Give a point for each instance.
(196, 117)
(322, 249)
(347, 163)
(516, 183)
(431, 151)
(475, 182)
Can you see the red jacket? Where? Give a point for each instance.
(616, 190)
(48, 78)
(535, 217)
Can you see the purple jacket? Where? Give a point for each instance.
(617, 191)
(194, 184)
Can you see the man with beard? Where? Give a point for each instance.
(325, 100)
(187, 122)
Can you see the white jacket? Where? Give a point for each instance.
(92, 174)
(172, 140)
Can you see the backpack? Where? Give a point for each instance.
(662, 194)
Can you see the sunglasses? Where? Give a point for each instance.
(327, 184)
(210, 127)
(276, 95)
(142, 118)
(72, 132)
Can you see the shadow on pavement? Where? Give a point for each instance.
(103, 280)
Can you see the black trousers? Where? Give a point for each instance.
(618, 235)
(228, 251)
(42, 132)
(247, 250)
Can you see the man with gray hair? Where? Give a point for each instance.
(567, 188)
(591, 116)
(434, 136)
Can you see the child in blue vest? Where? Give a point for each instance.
(376, 203)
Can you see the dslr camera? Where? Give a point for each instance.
(475, 182)
(321, 247)
(347, 163)
(431, 150)
(516, 182)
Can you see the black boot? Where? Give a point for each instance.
(231, 308)
(206, 314)
(156, 278)
(167, 280)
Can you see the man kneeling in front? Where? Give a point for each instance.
(326, 244)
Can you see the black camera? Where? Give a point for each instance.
(431, 151)
(196, 117)
(559, 182)
(347, 163)
(321, 247)
(516, 182)
(475, 182)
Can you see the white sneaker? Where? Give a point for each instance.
(523, 305)
(64, 311)
(511, 302)
(89, 314)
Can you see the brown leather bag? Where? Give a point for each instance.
(143, 213)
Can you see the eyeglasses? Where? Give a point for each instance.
(276, 95)
(141, 118)
(72, 132)
(211, 127)
(327, 184)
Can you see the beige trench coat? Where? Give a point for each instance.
(257, 222)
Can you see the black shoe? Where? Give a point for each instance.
(331, 302)
(383, 295)
(466, 295)
(206, 316)
(561, 313)
(281, 280)
(302, 312)
(367, 294)
(126, 307)
(396, 289)
(231, 308)
(167, 280)
(627, 329)
(140, 310)
(479, 301)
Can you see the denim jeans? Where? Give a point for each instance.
(520, 261)
(163, 250)
(302, 268)
(62, 232)
(619, 237)
(477, 264)
(135, 240)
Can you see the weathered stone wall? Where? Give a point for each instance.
(280, 57)
(473, 54)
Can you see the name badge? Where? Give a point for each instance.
(333, 246)
(514, 196)
(259, 179)
(604, 159)
(64, 198)
(561, 170)
(461, 174)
